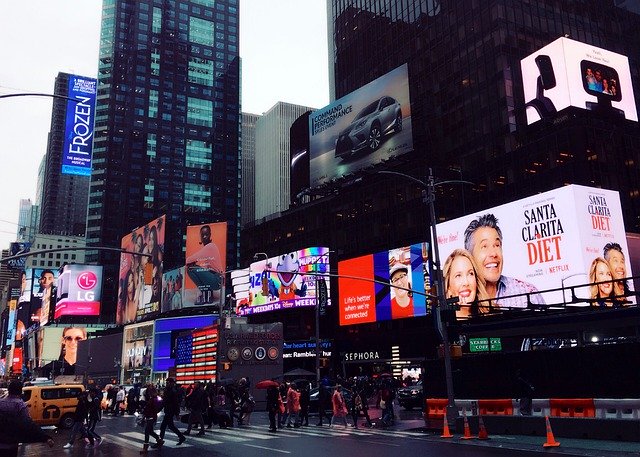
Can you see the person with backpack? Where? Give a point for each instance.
(171, 400)
(150, 412)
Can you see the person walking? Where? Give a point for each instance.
(197, 402)
(283, 415)
(171, 402)
(305, 399)
(273, 406)
(150, 413)
(323, 401)
(339, 406)
(293, 405)
(16, 426)
(120, 396)
(79, 418)
(94, 415)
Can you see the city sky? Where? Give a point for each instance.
(283, 46)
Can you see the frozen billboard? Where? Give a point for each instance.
(385, 285)
(570, 73)
(563, 237)
(363, 128)
(78, 133)
(285, 281)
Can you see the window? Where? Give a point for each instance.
(201, 31)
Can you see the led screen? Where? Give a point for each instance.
(78, 291)
(205, 263)
(385, 285)
(78, 134)
(363, 128)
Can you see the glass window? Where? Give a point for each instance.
(201, 31)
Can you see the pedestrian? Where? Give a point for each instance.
(525, 393)
(120, 396)
(16, 426)
(95, 399)
(132, 402)
(171, 401)
(197, 402)
(111, 398)
(387, 395)
(293, 405)
(323, 402)
(339, 406)
(282, 414)
(273, 406)
(305, 399)
(79, 418)
(150, 413)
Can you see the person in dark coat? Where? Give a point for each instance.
(197, 402)
(150, 413)
(79, 418)
(273, 406)
(171, 402)
(305, 399)
(95, 398)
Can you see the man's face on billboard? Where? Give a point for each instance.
(205, 235)
(616, 262)
(46, 280)
(487, 250)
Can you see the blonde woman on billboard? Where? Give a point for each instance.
(607, 293)
(462, 280)
(66, 363)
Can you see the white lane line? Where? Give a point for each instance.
(266, 448)
(380, 442)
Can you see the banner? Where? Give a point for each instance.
(78, 291)
(78, 134)
(15, 249)
(205, 263)
(172, 290)
(551, 240)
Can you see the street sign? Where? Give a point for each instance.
(482, 345)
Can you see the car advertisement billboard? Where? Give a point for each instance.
(140, 277)
(205, 263)
(363, 128)
(569, 236)
(172, 288)
(78, 291)
(285, 281)
(385, 285)
(570, 73)
(78, 132)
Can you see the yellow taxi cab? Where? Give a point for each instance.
(52, 404)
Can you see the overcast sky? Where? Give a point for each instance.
(283, 45)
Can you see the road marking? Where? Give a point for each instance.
(267, 448)
(379, 442)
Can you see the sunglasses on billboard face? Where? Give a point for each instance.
(72, 338)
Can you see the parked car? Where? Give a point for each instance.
(411, 396)
(369, 127)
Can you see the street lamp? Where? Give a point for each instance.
(429, 198)
(318, 322)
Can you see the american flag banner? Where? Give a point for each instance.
(196, 356)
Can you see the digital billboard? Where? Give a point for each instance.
(137, 349)
(196, 355)
(570, 73)
(58, 349)
(140, 277)
(78, 291)
(363, 128)
(569, 236)
(284, 281)
(385, 285)
(205, 263)
(78, 132)
(15, 249)
(172, 288)
(44, 296)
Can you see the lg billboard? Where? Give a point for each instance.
(78, 134)
(570, 73)
(385, 285)
(514, 253)
(362, 128)
(79, 290)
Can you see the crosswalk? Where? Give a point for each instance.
(255, 436)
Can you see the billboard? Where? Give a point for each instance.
(570, 73)
(285, 281)
(555, 239)
(172, 288)
(385, 285)
(205, 263)
(363, 128)
(78, 132)
(166, 333)
(79, 290)
(11, 325)
(58, 349)
(44, 296)
(15, 249)
(140, 277)
(196, 354)
(137, 349)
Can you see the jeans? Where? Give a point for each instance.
(167, 422)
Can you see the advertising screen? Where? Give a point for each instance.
(172, 288)
(137, 349)
(166, 333)
(140, 277)
(15, 249)
(11, 325)
(58, 349)
(196, 355)
(569, 236)
(43, 298)
(284, 282)
(570, 73)
(383, 286)
(363, 128)
(205, 263)
(78, 132)
(78, 291)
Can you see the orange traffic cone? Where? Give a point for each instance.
(467, 431)
(551, 441)
(445, 430)
(482, 430)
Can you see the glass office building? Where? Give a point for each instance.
(167, 124)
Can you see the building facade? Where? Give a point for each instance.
(167, 124)
(248, 167)
(64, 196)
(54, 260)
(28, 217)
(272, 163)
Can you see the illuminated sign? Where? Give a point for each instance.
(205, 263)
(79, 291)
(78, 135)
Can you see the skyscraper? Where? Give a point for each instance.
(248, 166)
(63, 210)
(167, 124)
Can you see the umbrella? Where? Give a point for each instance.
(299, 372)
(265, 384)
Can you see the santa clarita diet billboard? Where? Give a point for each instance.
(543, 242)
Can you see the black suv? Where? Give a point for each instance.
(411, 396)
